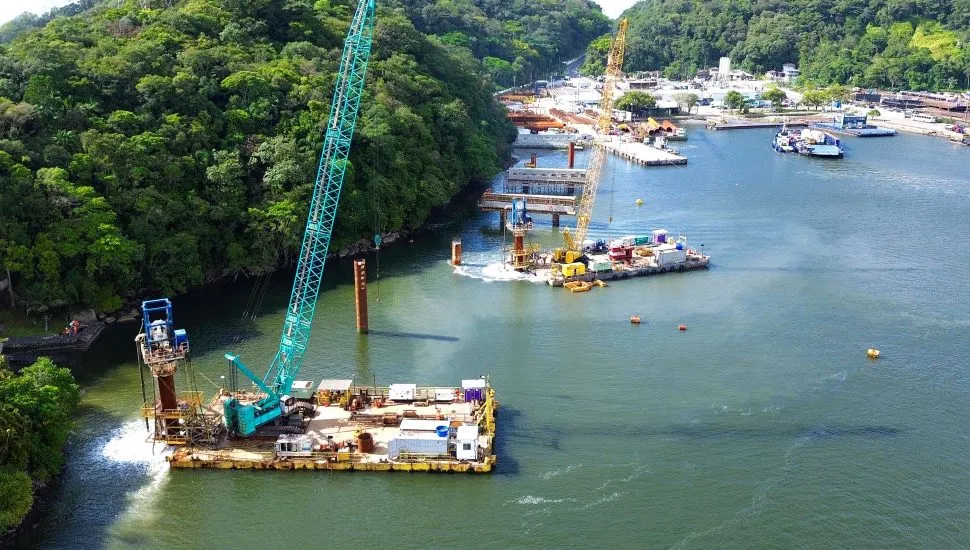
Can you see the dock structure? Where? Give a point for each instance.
(544, 181)
(555, 206)
(738, 125)
(397, 428)
(644, 155)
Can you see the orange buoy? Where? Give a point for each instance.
(682, 326)
(635, 319)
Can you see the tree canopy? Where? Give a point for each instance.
(916, 44)
(734, 100)
(635, 101)
(36, 411)
(163, 145)
(775, 95)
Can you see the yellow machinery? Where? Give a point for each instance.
(573, 249)
(573, 269)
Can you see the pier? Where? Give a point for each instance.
(555, 206)
(644, 155)
(737, 125)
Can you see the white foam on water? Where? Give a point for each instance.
(129, 444)
(495, 272)
(559, 472)
(533, 500)
(604, 499)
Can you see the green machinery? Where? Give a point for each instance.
(244, 417)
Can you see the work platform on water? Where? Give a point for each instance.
(644, 155)
(551, 141)
(553, 205)
(401, 427)
(623, 258)
(544, 181)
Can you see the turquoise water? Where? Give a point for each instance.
(762, 425)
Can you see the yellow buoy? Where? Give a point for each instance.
(639, 202)
(872, 353)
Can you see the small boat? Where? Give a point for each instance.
(578, 286)
(785, 140)
(599, 282)
(960, 138)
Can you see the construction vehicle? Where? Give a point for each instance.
(572, 251)
(244, 412)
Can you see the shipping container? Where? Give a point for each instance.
(642, 239)
(426, 444)
(602, 265)
(670, 257)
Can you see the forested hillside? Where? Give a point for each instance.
(162, 144)
(544, 33)
(916, 44)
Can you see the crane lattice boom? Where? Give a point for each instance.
(244, 418)
(614, 69)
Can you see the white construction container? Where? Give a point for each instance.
(670, 257)
(401, 392)
(302, 389)
(467, 447)
(444, 395)
(421, 443)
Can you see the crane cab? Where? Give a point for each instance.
(563, 256)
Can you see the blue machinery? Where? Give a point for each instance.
(244, 418)
(161, 336)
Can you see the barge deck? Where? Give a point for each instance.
(367, 428)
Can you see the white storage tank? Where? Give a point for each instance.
(402, 392)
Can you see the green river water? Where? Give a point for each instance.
(763, 425)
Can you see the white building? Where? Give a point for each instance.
(724, 69)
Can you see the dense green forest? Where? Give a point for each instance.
(36, 408)
(518, 40)
(163, 144)
(913, 44)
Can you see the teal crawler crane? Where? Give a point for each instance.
(243, 417)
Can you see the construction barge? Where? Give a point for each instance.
(623, 258)
(342, 427)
